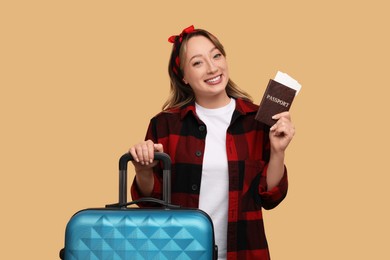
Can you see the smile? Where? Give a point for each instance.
(215, 80)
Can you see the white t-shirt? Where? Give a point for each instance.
(214, 187)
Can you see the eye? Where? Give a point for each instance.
(196, 63)
(217, 55)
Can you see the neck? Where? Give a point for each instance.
(213, 101)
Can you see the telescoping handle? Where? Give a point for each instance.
(123, 162)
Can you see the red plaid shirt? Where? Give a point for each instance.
(183, 135)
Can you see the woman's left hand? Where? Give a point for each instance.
(282, 132)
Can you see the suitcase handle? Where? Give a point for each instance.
(123, 161)
(143, 200)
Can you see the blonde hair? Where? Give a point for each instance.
(180, 93)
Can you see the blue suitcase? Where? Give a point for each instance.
(121, 232)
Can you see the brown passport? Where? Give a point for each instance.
(277, 98)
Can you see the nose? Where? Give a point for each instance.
(211, 67)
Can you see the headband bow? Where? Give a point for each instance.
(180, 36)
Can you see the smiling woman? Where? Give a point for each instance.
(223, 160)
(212, 53)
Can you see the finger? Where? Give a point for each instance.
(278, 127)
(285, 114)
(148, 150)
(150, 146)
(134, 154)
(285, 129)
(145, 153)
(278, 130)
(282, 119)
(158, 148)
(140, 153)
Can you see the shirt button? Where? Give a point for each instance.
(198, 153)
(194, 187)
(202, 128)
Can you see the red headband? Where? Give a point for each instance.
(177, 40)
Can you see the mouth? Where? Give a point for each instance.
(214, 81)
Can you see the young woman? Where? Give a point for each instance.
(223, 160)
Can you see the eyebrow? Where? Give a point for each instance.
(200, 55)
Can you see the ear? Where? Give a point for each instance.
(185, 81)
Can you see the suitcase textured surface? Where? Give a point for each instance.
(139, 234)
(119, 232)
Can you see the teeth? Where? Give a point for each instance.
(214, 79)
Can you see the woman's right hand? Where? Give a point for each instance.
(143, 154)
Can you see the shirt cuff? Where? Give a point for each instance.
(271, 198)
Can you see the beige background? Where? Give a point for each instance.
(80, 80)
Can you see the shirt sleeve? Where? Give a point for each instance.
(272, 198)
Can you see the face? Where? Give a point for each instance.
(206, 71)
